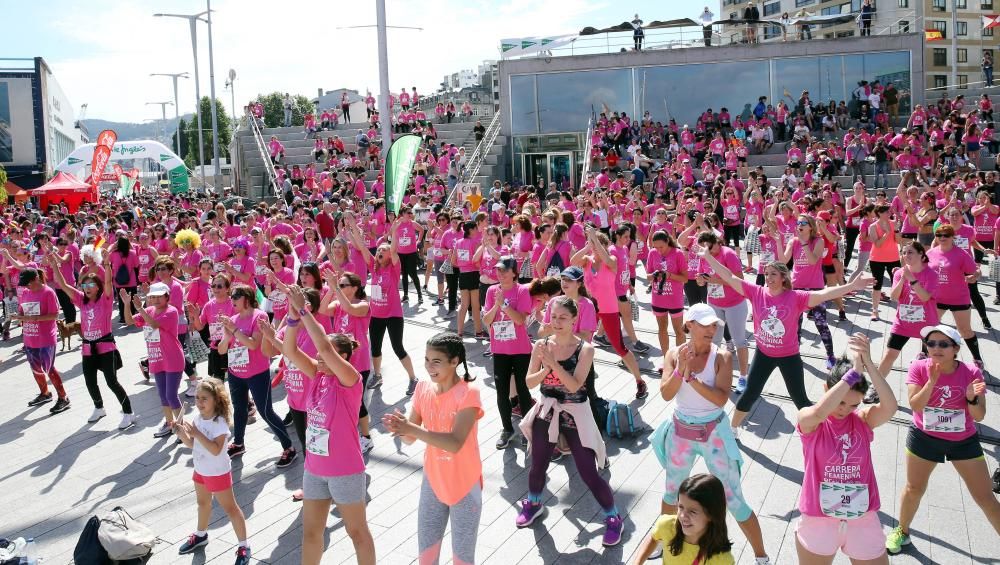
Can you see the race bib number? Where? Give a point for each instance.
(219, 267)
(504, 331)
(278, 297)
(694, 263)
(911, 313)
(405, 241)
(463, 255)
(552, 272)
(151, 335)
(261, 270)
(766, 258)
(845, 501)
(318, 440)
(238, 268)
(32, 308)
(239, 356)
(962, 242)
(715, 291)
(377, 294)
(623, 279)
(143, 259)
(215, 331)
(943, 420)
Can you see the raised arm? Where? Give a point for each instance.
(345, 372)
(723, 272)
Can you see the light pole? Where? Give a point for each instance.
(177, 108)
(211, 84)
(193, 20)
(231, 85)
(163, 111)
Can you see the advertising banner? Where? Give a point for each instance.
(399, 169)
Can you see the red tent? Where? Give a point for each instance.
(64, 187)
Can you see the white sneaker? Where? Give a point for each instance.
(762, 560)
(366, 445)
(165, 430)
(128, 420)
(741, 385)
(192, 389)
(96, 415)
(657, 553)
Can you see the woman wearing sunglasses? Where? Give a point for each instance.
(164, 268)
(947, 397)
(955, 269)
(350, 313)
(207, 318)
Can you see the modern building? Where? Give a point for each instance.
(547, 103)
(330, 99)
(37, 124)
(963, 56)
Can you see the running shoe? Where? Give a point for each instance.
(762, 560)
(843, 316)
(640, 347)
(439, 302)
(530, 511)
(165, 430)
(192, 389)
(657, 553)
(287, 456)
(450, 314)
(235, 450)
(411, 388)
(641, 390)
(366, 445)
(741, 385)
(871, 397)
(375, 382)
(193, 542)
(96, 415)
(482, 335)
(504, 440)
(128, 420)
(987, 324)
(40, 399)
(406, 298)
(896, 539)
(298, 495)
(613, 526)
(61, 405)
(516, 411)
(602, 341)
(731, 346)
(242, 555)
(557, 453)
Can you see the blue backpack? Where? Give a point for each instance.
(621, 422)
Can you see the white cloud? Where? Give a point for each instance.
(292, 45)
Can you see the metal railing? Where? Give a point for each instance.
(270, 176)
(586, 154)
(478, 155)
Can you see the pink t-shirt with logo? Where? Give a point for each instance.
(243, 361)
(465, 250)
(95, 321)
(38, 303)
(384, 290)
(164, 350)
(804, 275)
(913, 314)
(946, 415)
(951, 267)
(356, 327)
(334, 407)
(721, 294)
(669, 293)
(776, 319)
(586, 319)
(210, 317)
(839, 479)
(506, 337)
(298, 386)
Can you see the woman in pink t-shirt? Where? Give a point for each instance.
(350, 313)
(334, 466)
(957, 273)
(124, 268)
(249, 372)
(667, 269)
(776, 309)
(839, 501)
(159, 322)
(445, 416)
(278, 277)
(947, 397)
(463, 258)
(205, 320)
(38, 310)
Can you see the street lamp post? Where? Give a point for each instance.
(193, 20)
(177, 108)
(231, 85)
(385, 115)
(163, 111)
(211, 84)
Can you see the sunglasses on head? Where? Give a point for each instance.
(938, 344)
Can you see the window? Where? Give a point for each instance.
(961, 29)
(940, 57)
(962, 56)
(772, 31)
(961, 4)
(940, 81)
(938, 5)
(988, 32)
(985, 4)
(904, 26)
(772, 8)
(904, 3)
(800, 3)
(942, 27)
(963, 81)
(989, 51)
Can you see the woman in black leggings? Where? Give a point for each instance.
(387, 309)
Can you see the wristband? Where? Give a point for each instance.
(852, 378)
(292, 322)
(677, 375)
(302, 312)
(973, 402)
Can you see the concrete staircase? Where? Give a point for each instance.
(298, 151)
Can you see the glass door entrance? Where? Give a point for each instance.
(542, 168)
(561, 170)
(536, 169)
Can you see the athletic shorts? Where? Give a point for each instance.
(468, 281)
(829, 270)
(673, 312)
(346, 489)
(41, 359)
(861, 538)
(623, 298)
(954, 307)
(930, 448)
(897, 341)
(217, 483)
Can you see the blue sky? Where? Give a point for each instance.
(102, 52)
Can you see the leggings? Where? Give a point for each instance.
(376, 333)
(613, 331)
(104, 362)
(189, 367)
(851, 234)
(506, 366)
(258, 386)
(862, 263)
(67, 306)
(682, 456)
(818, 316)
(760, 370)
(363, 411)
(346, 111)
(695, 293)
(167, 385)
(452, 280)
(408, 264)
(583, 458)
(299, 422)
(42, 363)
(736, 318)
(977, 300)
(432, 520)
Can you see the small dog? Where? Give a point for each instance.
(66, 332)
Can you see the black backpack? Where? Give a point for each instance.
(122, 276)
(89, 550)
(556, 264)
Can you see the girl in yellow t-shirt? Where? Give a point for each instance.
(445, 416)
(697, 534)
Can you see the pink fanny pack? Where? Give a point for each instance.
(695, 432)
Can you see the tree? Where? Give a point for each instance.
(274, 109)
(225, 132)
(182, 127)
(3, 185)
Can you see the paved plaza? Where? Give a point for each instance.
(58, 470)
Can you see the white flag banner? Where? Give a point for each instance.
(516, 47)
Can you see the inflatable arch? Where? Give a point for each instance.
(78, 163)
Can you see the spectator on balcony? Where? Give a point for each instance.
(752, 15)
(706, 18)
(786, 22)
(805, 30)
(287, 105)
(637, 33)
(866, 17)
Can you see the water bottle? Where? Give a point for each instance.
(30, 553)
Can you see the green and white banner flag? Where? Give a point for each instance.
(515, 47)
(399, 169)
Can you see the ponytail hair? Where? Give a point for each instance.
(451, 344)
(343, 344)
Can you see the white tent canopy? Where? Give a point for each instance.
(78, 163)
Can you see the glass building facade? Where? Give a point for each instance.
(549, 111)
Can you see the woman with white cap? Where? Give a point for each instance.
(159, 321)
(946, 397)
(699, 375)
